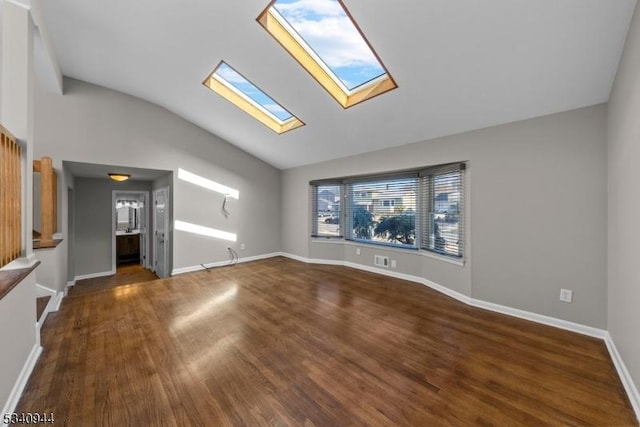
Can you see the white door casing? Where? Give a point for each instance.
(161, 231)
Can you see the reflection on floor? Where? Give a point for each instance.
(126, 274)
(280, 342)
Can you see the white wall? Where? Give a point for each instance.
(624, 204)
(536, 215)
(18, 308)
(96, 125)
(18, 333)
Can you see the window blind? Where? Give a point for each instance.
(442, 195)
(414, 209)
(326, 200)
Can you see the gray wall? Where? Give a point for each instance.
(536, 215)
(94, 229)
(97, 125)
(624, 204)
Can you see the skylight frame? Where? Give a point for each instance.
(224, 88)
(279, 28)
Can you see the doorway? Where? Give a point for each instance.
(161, 232)
(130, 244)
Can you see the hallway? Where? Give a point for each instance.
(127, 274)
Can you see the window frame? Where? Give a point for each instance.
(299, 49)
(314, 209)
(218, 84)
(424, 208)
(427, 177)
(373, 179)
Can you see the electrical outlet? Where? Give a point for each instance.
(393, 263)
(357, 251)
(242, 247)
(566, 295)
(381, 261)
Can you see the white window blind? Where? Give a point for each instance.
(442, 195)
(326, 212)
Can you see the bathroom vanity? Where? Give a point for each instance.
(127, 246)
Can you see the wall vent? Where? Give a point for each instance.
(381, 261)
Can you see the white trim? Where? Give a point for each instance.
(192, 268)
(43, 291)
(623, 373)
(57, 301)
(143, 233)
(70, 284)
(21, 382)
(167, 231)
(540, 318)
(514, 312)
(94, 275)
(20, 263)
(52, 305)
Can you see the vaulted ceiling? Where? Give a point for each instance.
(459, 65)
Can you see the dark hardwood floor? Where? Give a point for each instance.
(126, 274)
(41, 304)
(278, 342)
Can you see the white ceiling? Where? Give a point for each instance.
(459, 65)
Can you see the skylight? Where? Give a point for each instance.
(323, 38)
(231, 85)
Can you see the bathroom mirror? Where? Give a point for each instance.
(128, 215)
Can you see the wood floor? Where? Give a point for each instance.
(126, 274)
(41, 304)
(278, 342)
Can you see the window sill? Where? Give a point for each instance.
(9, 279)
(418, 252)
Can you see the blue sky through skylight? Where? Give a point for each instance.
(232, 77)
(326, 28)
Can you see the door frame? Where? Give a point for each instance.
(166, 228)
(114, 197)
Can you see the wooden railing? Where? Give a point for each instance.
(48, 201)
(10, 198)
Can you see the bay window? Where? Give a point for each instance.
(421, 209)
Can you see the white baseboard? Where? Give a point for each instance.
(540, 318)
(43, 291)
(94, 275)
(192, 268)
(52, 305)
(623, 373)
(57, 301)
(625, 377)
(21, 382)
(514, 312)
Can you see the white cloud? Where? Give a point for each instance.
(327, 29)
(229, 74)
(317, 7)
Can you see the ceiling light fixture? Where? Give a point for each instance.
(119, 176)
